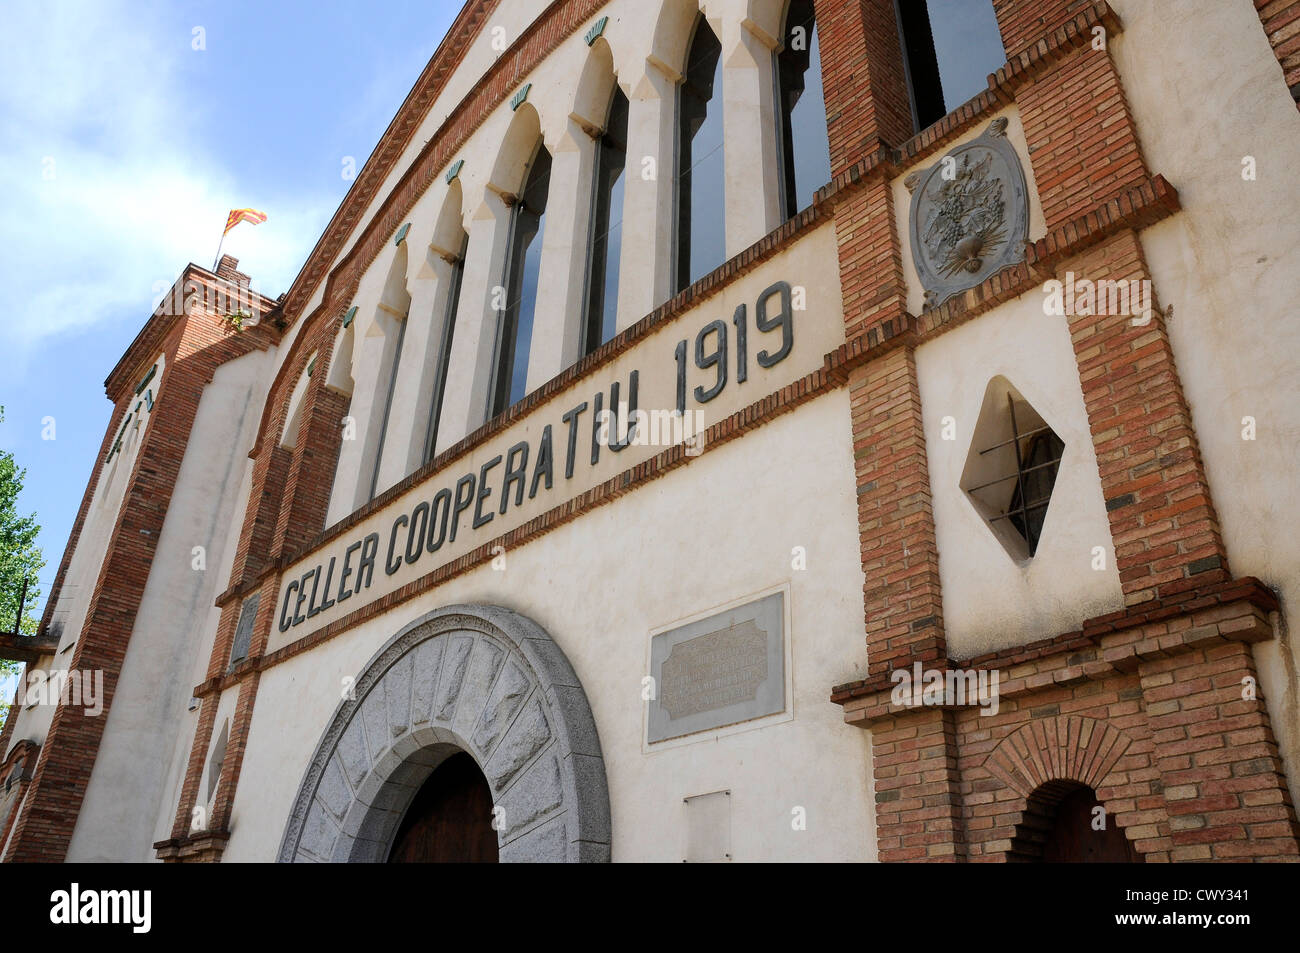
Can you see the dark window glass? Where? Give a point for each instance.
(524, 265)
(444, 350)
(951, 47)
(701, 236)
(606, 227)
(805, 146)
(1038, 469)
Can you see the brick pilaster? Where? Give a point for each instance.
(1023, 22)
(904, 611)
(914, 756)
(867, 105)
(871, 263)
(1162, 518)
(863, 79)
(311, 473)
(1222, 776)
(240, 725)
(918, 804)
(290, 497)
(1081, 137)
(194, 769)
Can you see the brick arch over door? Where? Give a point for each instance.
(1067, 748)
(1046, 759)
(479, 679)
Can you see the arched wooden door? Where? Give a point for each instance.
(1075, 839)
(450, 819)
(1062, 824)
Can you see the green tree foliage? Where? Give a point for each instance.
(20, 558)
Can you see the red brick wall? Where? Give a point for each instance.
(871, 261)
(863, 80)
(1082, 141)
(1146, 705)
(194, 348)
(1155, 716)
(1023, 23)
(917, 785)
(1162, 519)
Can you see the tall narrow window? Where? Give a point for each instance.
(950, 47)
(606, 227)
(444, 349)
(523, 268)
(805, 145)
(392, 364)
(701, 206)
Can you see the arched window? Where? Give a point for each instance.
(523, 267)
(950, 47)
(390, 327)
(443, 358)
(293, 416)
(805, 145)
(701, 205)
(606, 227)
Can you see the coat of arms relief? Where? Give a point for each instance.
(969, 215)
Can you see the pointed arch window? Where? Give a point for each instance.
(523, 269)
(388, 382)
(443, 358)
(606, 227)
(805, 144)
(701, 180)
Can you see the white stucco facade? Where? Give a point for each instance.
(604, 548)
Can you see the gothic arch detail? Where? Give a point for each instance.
(1069, 747)
(473, 678)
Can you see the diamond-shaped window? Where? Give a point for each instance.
(1011, 468)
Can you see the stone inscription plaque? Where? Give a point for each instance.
(719, 671)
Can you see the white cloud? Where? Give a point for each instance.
(114, 181)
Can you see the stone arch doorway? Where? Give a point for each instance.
(1061, 824)
(478, 680)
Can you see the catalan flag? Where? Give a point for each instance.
(243, 215)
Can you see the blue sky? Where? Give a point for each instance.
(122, 149)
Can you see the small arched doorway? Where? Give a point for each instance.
(450, 818)
(1065, 823)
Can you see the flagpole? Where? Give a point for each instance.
(217, 260)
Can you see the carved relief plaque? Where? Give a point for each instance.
(719, 671)
(969, 215)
